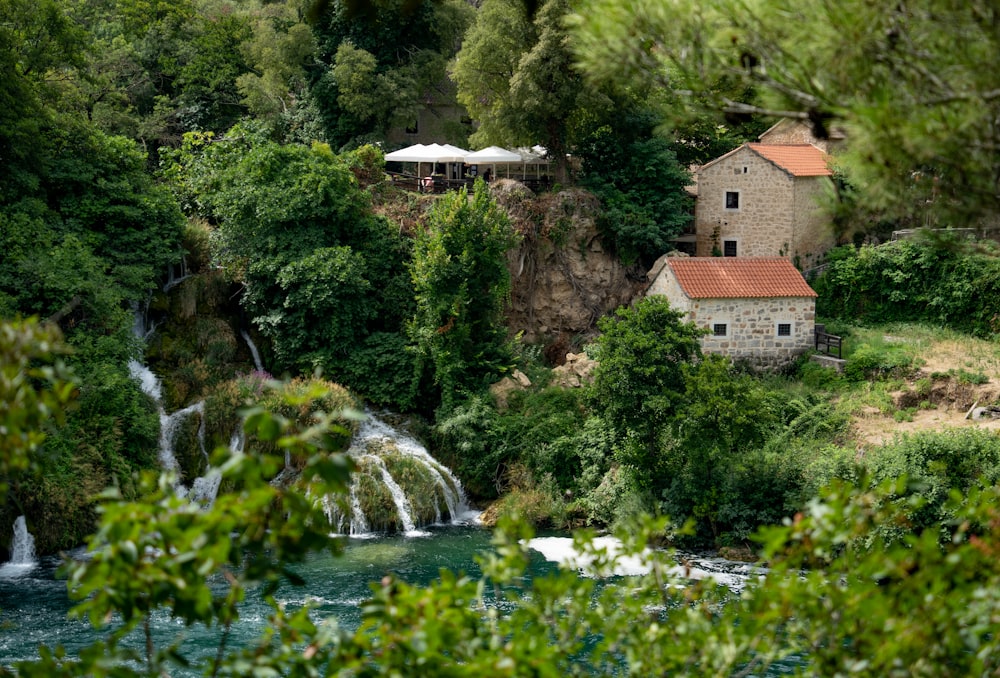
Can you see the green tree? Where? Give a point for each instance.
(462, 284)
(919, 113)
(282, 53)
(36, 388)
(717, 438)
(515, 76)
(639, 181)
(37, 41)
(322, 273)
(383, 61)
(639, 384)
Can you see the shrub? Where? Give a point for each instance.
(872, 362)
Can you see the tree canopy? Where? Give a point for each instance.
(906, 82)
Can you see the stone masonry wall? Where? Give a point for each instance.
(813, 233)
(752, 326)
(665, 283)
(778, 216)
(762, 225)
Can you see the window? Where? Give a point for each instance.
(729, 248)
(784, 329)
(414, 128)
(720, 330)
(732, 200)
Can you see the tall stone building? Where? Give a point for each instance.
(763, 200)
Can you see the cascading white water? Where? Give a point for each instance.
(203, 489)
(253, 351)
(454, 498)
(172, 280)
(375, 430)
(22, 551)
(398, 496)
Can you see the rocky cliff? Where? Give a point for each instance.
(562, 278)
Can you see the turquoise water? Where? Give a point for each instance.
(34, 603)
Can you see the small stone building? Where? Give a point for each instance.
(763, 200)
(758, 309)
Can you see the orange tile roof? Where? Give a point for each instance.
(738, 277)
(800, 160)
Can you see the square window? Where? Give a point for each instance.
(784, 329)
(729, 248)
(414, 128)
(719, 329)
(732, 200)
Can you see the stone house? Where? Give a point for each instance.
(763, 200)
(758, 309)
(439, 119)
(787, 131)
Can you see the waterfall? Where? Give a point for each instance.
(22, 551)
(253, 350)
(398, 496)
(203, 489)
(399, 485)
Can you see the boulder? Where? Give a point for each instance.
(575, 372)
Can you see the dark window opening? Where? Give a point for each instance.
(729, 248)
(732, 200)
(719, 329)
(784, 329)
(414, 128)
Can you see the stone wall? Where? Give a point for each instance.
(752, 327)
(762, 225)
(797, 132)
(664, 282)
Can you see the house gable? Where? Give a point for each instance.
(788, 131)
(762, 200)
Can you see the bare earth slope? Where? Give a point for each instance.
(950, 397)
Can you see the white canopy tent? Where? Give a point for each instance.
(413, 153)
(433, 153)
(494, 155)
(537, 156)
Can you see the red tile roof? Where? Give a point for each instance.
(738, 277)
(800, 160)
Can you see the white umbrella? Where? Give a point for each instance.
(431, 153)
(536, 155)
(409, 154)
(493, 155)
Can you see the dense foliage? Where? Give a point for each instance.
(946, 282)
(461, 283)
(233, 102)
(853, 563)
(384, 62)
(919, 112)
(640, 184)
(325, 279)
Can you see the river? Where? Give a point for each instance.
(34, 602)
